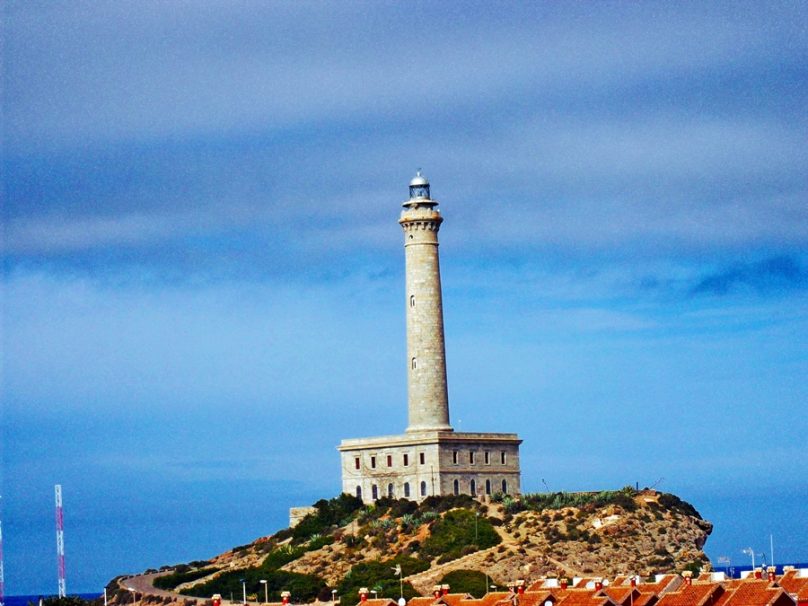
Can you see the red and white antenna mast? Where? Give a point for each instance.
(2, 580)
(60, 541)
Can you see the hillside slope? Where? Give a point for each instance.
(345, 545)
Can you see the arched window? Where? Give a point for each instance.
(413, 364)
(412, 300)
(504, 487)
(407, 489)
(488, 487)
(390, 491)
(375, 492)
(358, 492)
(423, 489)
(456, 487)
(473, 488)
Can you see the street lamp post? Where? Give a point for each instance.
(244, 590)
(266, 591)
(476, 516)
(750, 552)
(132, 589)
(333, 596)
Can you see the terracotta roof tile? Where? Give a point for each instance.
(621, 595)
(378, 602)
(536, 598)
(585, 597)
(453, 599)
(645, 599)
(540, 584)
(666, 583)
(488, 599)
(758, 593)
(795, 584)
(692, 595)
(422, 601)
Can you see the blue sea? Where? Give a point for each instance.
(24, 600)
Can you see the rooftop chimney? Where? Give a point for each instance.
(598, 584)
(436, 591)
(444, 589)
(771, 573)
(758, 573)
(285, 595)
(564, 583)
(687, 575)
(363, 594)
(633, 581)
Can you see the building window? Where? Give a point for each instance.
(412, 364)
(374, 491)
(502, 458)
(421, 458)
(473, 488)
(488, 487)
(456, 487)
(454, 457)
(487, 457)
(406, 460)
(471, 457)
(390, 491)
(423, 489)
(407, 490)
(356, 462)
(373, 462)
(412, 300)
(358, 492)
(389, 460)
(504, 487)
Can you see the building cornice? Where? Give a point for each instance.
(427, 438)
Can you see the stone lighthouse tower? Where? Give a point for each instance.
(430, 458)
(426, 379)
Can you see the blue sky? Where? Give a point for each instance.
(203, 275)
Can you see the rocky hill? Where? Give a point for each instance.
(344, 545)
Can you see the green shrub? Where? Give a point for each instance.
(381, 576)
(440, 504)
(281, 556)
(328, 513)
(467, 581)
(559, 500)
(455, 530)
(304, 587)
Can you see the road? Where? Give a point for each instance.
(144, 584)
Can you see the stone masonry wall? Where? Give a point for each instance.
(426, 380)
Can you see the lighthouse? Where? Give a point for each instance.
(429, 458)
(427, 396)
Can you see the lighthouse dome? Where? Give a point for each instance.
(419, 187)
